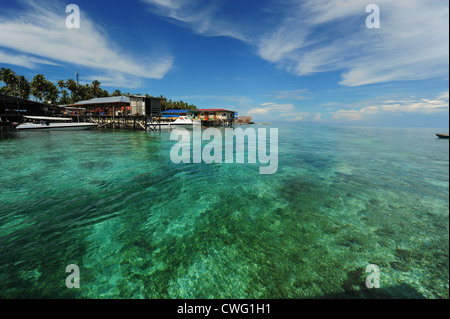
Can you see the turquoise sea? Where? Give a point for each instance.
(140, 226)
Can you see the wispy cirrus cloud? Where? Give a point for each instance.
(203, 17)
(308, 37)
(412, 43)
(287, 112)
(23, 60)
(40, 36)
(271, 108)
(440, 104)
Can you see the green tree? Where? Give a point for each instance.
(104, 93)
(73, 88)
(96, 90)
(65, 98)
(24, 87)
(85, 92)
(8, 77)
(117, 93)
(51, 93)
(39, 86)
(61, 84)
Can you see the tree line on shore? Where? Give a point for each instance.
(66, 92)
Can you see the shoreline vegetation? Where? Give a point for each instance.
(68, 92)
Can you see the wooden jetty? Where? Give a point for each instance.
(117, 122)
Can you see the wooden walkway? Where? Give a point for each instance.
(115, 122)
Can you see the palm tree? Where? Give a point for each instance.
(73, 88)
(24, 87)
(71, 85)
(8, 77)
(85, 92)
(96, 91)
(39, 86)
(51, 92)
(64, 97)
(104, 93)
(61, 84)
(3, 76)
(117, 93)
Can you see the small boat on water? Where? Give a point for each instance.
(180, 121)
(442, 135)
(51, 123)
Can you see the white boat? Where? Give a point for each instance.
(180, 121)
(51, 123)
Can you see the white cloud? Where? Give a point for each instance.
(303, 116)
(170, 4)
(271, 108)
(22, 60)
(200, 16)
(422, 106)
(411, 44)
(307, 37)
(40, 31)
(286, 112)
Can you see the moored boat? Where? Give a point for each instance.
(442, 135)
(180, 121)
(51, 123)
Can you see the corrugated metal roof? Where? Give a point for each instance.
(105, 100)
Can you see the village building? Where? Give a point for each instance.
(105, 106)
(214, 117)
(134, 105)
(13, 108)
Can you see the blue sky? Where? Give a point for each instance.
(288, 60)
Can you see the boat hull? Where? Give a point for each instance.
(442, 136)
(173, 124)
(56, 127)
(183, 121)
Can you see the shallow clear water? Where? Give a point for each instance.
(139, 226)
